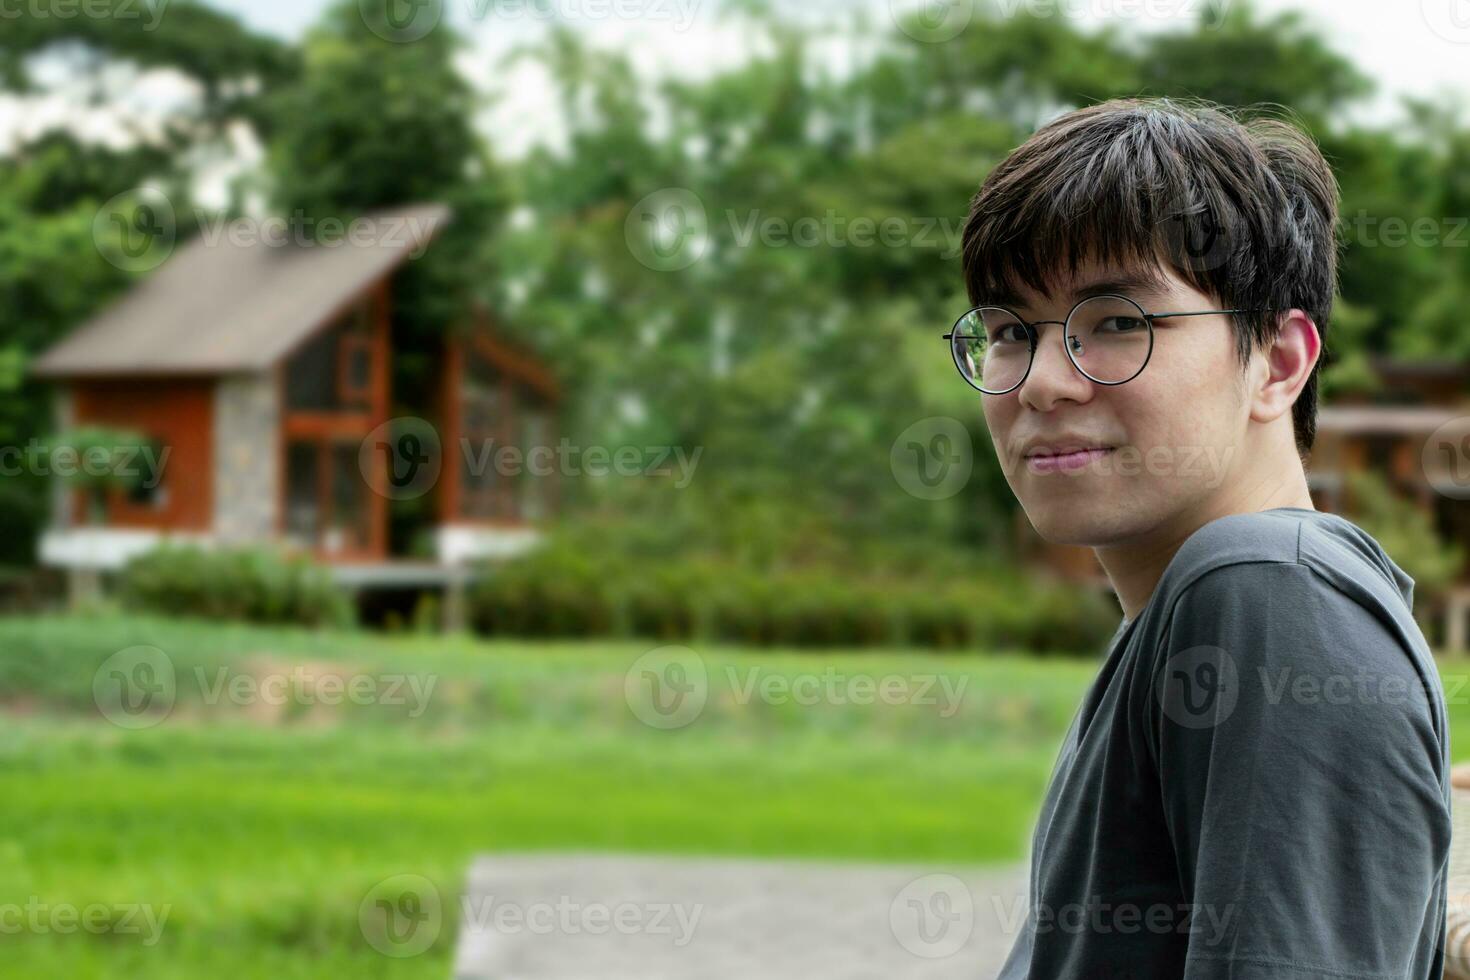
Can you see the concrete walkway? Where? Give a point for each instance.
(569, 917)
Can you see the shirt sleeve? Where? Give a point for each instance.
(1300, 771)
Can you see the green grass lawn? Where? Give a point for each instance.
(264, 834)
(263, 831)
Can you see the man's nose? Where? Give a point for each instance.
(1053, 377)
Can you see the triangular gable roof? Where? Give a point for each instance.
(238, 303)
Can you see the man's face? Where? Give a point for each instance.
(1157, 449)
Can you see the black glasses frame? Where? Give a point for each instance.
(1034, 338)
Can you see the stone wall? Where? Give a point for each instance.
(64, 409)
(247, 458)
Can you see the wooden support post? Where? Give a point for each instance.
(1457, 611)
(83, 587)
(456, 618)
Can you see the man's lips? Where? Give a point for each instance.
(1065, 462)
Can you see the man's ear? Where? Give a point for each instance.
(1289, 360)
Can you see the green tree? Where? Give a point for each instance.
(52, 272)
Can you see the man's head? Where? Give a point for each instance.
(1179, 207)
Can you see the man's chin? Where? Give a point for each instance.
(1078, 524)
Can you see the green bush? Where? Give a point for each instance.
(1406, 531)
(669, 602)
(246, 585)
(1051, 616)
(743, 609)
(567, 590)
(941, 618)
(818, 610)
(558, 591)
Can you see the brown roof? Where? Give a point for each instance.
(1407, 420)
(227, 303)
(1399, 367)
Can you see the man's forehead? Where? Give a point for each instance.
(1089, 279)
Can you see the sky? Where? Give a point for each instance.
(1417, 47)
(1411, 47)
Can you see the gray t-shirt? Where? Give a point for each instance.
(1256, 787)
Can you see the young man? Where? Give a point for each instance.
(1256, 785)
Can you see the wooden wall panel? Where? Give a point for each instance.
(177, 415)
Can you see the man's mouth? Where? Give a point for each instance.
(1066, 461)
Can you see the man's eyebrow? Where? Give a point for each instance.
(1126, 283)
(999, 297)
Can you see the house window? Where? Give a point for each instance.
(150, 492)
(355, 359)
(311, 375)
(328, 508)
(350, 528)
(498, 406)
(303, 495)
(333, 371)
(486, 408)
(149, 496)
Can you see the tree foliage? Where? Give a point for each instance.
(802, 339)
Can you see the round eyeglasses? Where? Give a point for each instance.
(1108, 338)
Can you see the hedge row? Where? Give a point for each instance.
(561, 592)
(243, 585)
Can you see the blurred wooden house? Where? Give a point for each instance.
(265, 370)
(1388, 433)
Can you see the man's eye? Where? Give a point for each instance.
(1121, 324)
(1010, 333)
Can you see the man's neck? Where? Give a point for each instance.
(1135, 566)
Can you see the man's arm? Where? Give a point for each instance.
(1299, 767)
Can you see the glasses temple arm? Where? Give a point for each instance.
(1165, 316)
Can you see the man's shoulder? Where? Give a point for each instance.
(1244, 552)
(1301, 605)
(1289, 585)
(1270, 537)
